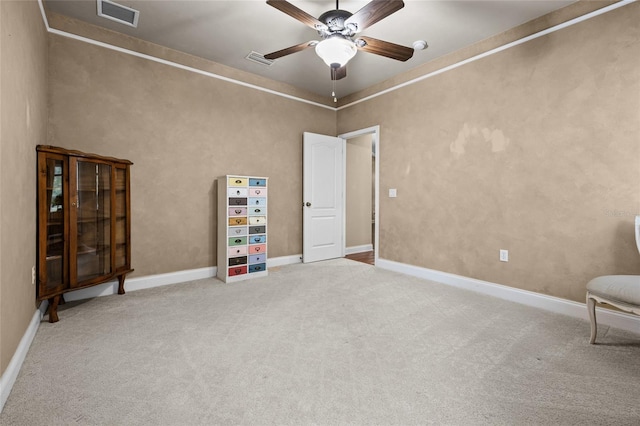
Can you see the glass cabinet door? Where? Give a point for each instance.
(121, 259)
(54, 212)
(93, 221)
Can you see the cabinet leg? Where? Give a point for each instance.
(53, 309)
(121, 284)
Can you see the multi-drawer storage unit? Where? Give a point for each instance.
(242, 227)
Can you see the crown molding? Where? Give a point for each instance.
(361, 96)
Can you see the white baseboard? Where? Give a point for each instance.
(358, 249)
(284, 260)
(140, 283)
(558, 305)
(150, 281)
(11, 373)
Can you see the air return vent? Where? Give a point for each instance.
(259, 58)
(115, 12)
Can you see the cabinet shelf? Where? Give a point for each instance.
(96, 219)
(90, 250)
(106, 190)
(75, 246)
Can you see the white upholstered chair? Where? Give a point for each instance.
(621, 291)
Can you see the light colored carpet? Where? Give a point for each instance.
(336, 342)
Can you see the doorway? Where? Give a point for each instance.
(361, 194)
(324, 195)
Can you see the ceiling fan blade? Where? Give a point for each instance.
(338, 73)
(299, 14)
(384, 48)
(290, 50)
(372, 12)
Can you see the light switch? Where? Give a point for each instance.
(393, 193)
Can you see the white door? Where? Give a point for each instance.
(322, 197)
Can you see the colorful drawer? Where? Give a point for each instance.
(257, 258)
(238, 192)
(236, 271)
(258, 192)
(237, 250)
(237, 220)
(257, 229)
(242, 227)
(257, 211)
(257, 220)
(238, 211)
(239, 231)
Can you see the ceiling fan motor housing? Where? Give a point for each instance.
(335, 22)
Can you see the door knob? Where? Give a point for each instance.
(308, 204)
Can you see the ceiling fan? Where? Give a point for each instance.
(337, 28)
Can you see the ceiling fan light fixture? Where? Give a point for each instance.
(336, 51)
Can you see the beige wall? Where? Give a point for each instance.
(23, 90)
(358, 191)
(535, 149)
(181, 130)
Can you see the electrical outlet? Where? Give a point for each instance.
(393, 193)
(33, 275)
(504, 255)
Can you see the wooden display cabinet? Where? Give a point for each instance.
(84, 225)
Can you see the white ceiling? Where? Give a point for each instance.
(227, 31)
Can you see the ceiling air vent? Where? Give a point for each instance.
(115, 12)
(259, 58)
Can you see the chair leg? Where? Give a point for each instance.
(591, 307)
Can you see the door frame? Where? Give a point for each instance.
(374, 131)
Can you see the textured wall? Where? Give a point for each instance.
(359, 203)
(23, 91)
(535, 149)
(181, 130)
